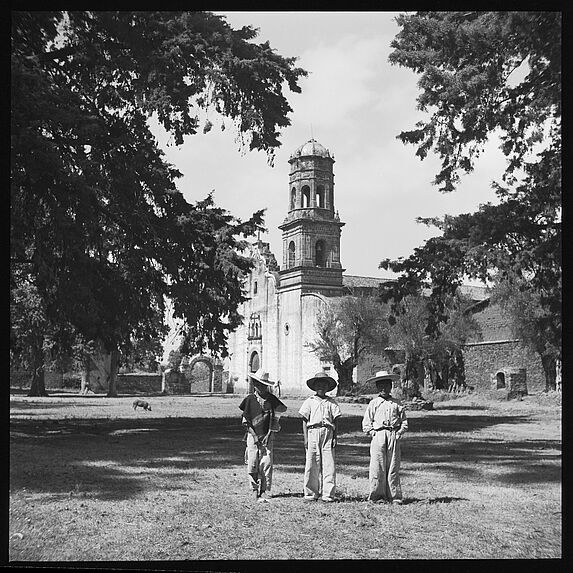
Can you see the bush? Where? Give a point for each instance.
(72, 381)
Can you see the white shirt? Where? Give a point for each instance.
(384, 412)
(317, 410)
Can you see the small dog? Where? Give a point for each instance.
(142, 404)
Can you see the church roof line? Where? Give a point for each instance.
(474, 292)
(360, 281)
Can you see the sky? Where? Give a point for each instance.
(355, 103)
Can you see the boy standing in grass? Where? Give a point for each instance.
(260, 422)
(320, 413)
(385, 422)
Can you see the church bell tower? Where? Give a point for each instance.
(311, 231)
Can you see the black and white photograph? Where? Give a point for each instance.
(285, 286)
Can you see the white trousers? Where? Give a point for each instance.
(385, 466)
(259, 460)
(319, 471)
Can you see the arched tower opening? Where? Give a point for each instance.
(319, 197)
(291, 255)
(305, 196)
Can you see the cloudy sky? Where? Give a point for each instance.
(355, 104)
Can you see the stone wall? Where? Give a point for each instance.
(54, 380)
(484, 360)
(135, 383)
(177, 383)
(20, 378)
(512, 381)
(493, 323)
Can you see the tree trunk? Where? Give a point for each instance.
(85, 382)
(414, 377)
(436, 377)
(344, 371)
(549, 364)
(112, 388)
(37, 388)
(429, 375)
(459, 369)
(165, 375)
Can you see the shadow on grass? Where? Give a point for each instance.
(289, 494)
(445, 499)
(116, 459)
(27, 407)
(42, 403)
(445, 406)
(349, 498)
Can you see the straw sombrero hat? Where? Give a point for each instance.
(383, 376)
(262, 376)
(311, 382)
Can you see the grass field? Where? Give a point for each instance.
(92, 480)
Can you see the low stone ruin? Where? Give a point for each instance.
(417, 403)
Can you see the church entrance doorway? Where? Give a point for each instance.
(200, 376)
(254, 365)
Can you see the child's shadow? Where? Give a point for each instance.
(405, 501)
(343, 498)
(362, 498)
(289, 494)
(445, 499)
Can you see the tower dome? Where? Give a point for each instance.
(311, 148)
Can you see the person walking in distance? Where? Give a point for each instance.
(260, 419)
(385, 422)
(320, 416)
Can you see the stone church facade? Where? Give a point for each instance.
(285, 299)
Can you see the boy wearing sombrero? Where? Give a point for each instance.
(259, 418)
(385, 422)
(320, 413)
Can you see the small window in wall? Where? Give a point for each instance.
(320, 196)
(500, 379)
(287, 328)
(319, 258)
(305, 196)
(291, 254)
(255, 287)
(292, 198)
